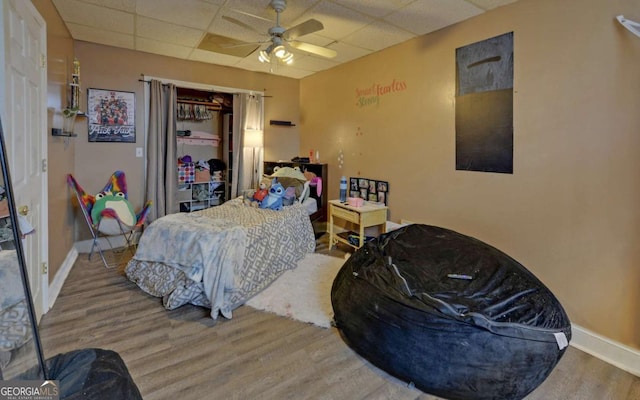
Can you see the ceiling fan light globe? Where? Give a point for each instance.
(264, 57)
(288, 58)
(280, 51)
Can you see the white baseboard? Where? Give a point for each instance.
(61, 276)
(614, 353)
(79, 247)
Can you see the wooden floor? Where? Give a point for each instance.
(184, 354)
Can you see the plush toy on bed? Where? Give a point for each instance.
(289, 177)
(263, 190)
(274, 200)
(115, 205)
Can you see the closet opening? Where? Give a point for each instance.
(204, 147)
(210, 126)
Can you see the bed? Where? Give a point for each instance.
(219, 257)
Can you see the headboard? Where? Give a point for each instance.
(321, 170)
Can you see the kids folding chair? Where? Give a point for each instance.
(109, 214)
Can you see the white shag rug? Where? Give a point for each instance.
(303, 293)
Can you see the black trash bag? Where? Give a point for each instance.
(451, 314)
(92, 374)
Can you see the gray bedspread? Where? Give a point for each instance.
(219, 257)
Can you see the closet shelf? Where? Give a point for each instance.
(200, 139)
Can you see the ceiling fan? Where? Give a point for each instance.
(281, 38)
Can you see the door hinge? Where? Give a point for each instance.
(43, 61)
(45, 268)
(44, 165)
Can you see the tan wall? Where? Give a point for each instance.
(569, 212)
(105, 67)
(60, 151)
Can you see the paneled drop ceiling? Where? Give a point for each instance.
(217, 31)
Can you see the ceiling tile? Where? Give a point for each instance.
(347, 52)
(165, 49)
(90, 15)
(122, 5)
(192, 13)
(251, 63)
(166, 32)
(294, 12)
(424, 16)
(291, 72)
(88, 34)
(316, 39)
(255, 31)
(338, 20)
(490, 4)
(378, 36)
(257, 10)
(213, 58)
(312, 63)
(374, 8)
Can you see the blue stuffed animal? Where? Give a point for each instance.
(273, 200)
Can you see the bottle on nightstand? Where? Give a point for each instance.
(343, 189)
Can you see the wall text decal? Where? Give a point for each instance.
(370, 95)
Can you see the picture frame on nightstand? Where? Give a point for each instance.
(372, 190)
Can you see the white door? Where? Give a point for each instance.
(24, 124)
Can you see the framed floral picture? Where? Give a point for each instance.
(111, 116)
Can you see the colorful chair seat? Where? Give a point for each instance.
(109, 218)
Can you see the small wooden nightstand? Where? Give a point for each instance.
(365, 216)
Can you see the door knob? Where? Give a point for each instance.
(24, 210)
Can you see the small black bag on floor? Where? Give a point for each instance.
(455, 316)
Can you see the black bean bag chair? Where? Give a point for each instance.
(92, 374)
(451, 314)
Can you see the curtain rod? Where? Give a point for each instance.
(142, 80)
(207, 90)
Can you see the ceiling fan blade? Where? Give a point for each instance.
(313, 49)
(305, 28)
(242, 24)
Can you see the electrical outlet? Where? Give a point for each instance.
(138, 151)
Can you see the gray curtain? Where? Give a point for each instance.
(247, 115)
(162, 171)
